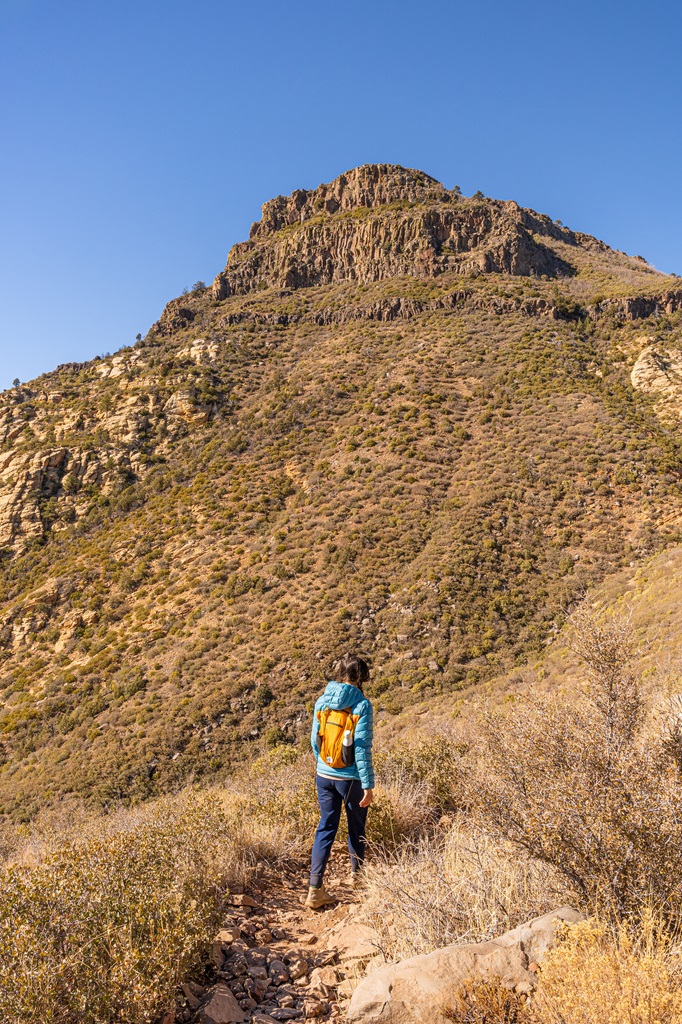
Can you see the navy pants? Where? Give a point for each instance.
(332, 795)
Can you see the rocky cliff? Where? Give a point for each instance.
(379, 222)
(658, 372)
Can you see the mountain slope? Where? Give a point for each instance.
(400, 420)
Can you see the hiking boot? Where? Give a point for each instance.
(318, 897)
(355, 878)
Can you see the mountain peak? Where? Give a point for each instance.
(368, 187)
(381, 437)
(381, 221)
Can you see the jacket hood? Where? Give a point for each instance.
(341, 695)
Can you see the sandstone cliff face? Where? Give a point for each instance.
(659, 373)
(380, 222)
(87, 431)
(28, 481)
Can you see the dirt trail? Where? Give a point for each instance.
(276, 960)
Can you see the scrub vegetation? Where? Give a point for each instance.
(432, 492)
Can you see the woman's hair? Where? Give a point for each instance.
(352, 669)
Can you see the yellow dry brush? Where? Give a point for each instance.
(600, 974)
(597, 974)
(103, 930)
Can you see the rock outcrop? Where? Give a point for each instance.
(659, 374)
(369, 186)
(419, 990)
(184, 405)
(379, 222)
(402, 308)
(639, 307)
(29, 481)
(175, 317)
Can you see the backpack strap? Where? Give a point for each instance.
(322, 715)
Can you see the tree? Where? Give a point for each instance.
(16, 382)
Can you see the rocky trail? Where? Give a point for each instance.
(276, 960)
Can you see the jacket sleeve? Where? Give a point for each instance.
(314, 730)
(364, 734)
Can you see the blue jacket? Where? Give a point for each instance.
(340, 696)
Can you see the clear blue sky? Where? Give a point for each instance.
(139, 139)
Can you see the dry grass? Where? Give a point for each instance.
(461, 885)
(598, 975)
(278, 795)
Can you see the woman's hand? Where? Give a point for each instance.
(367, 797)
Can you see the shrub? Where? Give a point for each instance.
(584, 786)
(434, 761)
(103, 930)
(487, 1002)
(601, 975)
(279, 792)
(402, 809)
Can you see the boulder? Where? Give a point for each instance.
(419, 990)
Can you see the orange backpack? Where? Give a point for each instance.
(335, 734)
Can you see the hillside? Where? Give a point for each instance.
(401, 420)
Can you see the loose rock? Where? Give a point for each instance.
(314, 1008)
(298, 969)
(222, 1008)
(243, 900)
(322, 981)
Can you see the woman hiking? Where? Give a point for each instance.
(342, 741)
